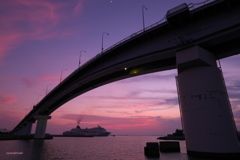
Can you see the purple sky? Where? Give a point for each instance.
(41, 38)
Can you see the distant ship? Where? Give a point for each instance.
(88, 132)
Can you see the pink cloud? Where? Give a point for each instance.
(6, 99)
(32, 20)
(78, 8)
(7, 42)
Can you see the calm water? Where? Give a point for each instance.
(85, 148)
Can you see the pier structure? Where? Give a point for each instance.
(25, 129)
(206, 112)
(41, 126)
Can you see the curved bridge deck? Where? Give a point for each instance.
(215, 27)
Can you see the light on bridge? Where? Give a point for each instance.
(134, 71)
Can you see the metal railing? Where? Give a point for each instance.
(132, 36)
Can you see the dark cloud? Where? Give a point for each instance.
(120, 112)
(160, 91)
(153, 109)
(237, 114)
(172, 101)
(146, 110)
(157, 106)
(140, 106)
(136, 94)
(84, 117)
(234, 89)
(131, 95)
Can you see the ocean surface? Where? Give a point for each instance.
(86, 148)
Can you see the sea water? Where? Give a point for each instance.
(86, 148)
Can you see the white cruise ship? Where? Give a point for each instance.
(88, 132)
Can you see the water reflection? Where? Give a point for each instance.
(38, 149)
(95, 148)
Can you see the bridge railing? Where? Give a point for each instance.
(191, 7)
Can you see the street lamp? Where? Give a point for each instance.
(143, 7)
(102, 39)
(61, 75)
(80, 58)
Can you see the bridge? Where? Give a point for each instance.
(190, 41)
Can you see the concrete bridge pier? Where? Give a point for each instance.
(25, 129)
(41, 126)
(207, 117)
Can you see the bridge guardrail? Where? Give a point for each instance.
(191, 7)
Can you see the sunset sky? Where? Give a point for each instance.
(39, 39)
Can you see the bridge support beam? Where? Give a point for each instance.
(41, 126)
(206, 112)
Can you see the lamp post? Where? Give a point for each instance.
(143, 7)
(80, 58)
(102, 39)
(61, 75)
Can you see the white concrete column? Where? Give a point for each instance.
(207, 117)
(41, 126)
